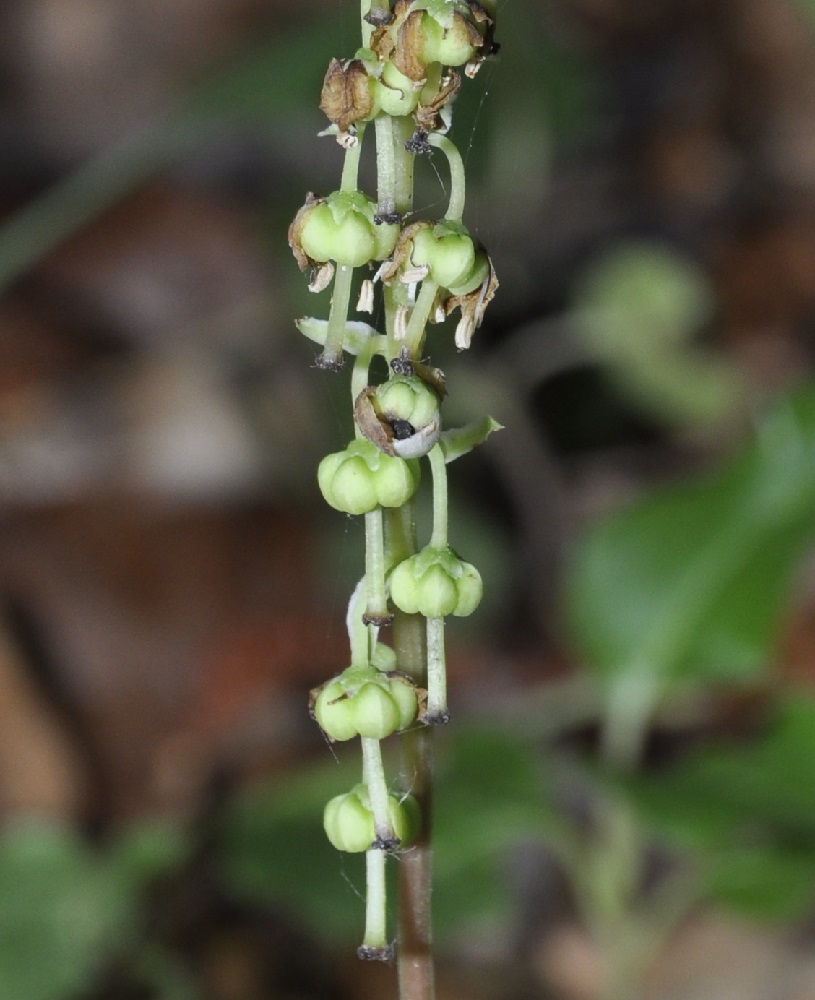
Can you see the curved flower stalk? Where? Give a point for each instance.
(402, 80)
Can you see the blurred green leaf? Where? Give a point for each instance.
(273, 848)
(65, 907)
(638, 308)
(691, 584)
(58, 913)
(746, 812)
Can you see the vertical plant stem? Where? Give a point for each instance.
(403, 129)
(350, 165)
(337, 318)
(375, 940)
(438, 468)
(415, 951)
(417, 324)
(358, 637)
(436, 672)
(455, 207)
(376, 610)
(373, 775)
(385, 165)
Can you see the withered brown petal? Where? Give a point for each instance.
(427, 114)
(295, 229)
(407, 56)
(375, 429)
(346, 95)
(401, 252)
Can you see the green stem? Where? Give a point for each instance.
(417, 325)
(376, 608)
(455, 207)
(385, 166)
(358, 632)
(375, 941)
(332, 356)
(373, 775)
(436, 673)
(350, 164)
(360, 375)
(438, 470)
(415, 954)
(403, 129)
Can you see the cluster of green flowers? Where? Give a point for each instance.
(402, 81)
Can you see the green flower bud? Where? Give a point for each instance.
(362, 701)
(451, 46)
(395, 93)
(361, 478)
(349, 821)
(342, 228)
(436, 583)
(449, 252)
(477, 276)
(383, 658)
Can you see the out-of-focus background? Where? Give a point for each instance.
(627, 792)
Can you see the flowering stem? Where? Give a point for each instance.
(455, 207)
(360, 375)
(438, 469)
(358, 636)
(350, 165)
(373, 775)
(419, 317)
(375, 941)
(436, 673)
(415, 955)
(385, 165)
(337, 318)
(376, 609)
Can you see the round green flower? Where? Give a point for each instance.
(341, 228)
(361, 478)
(349, 821)
(436, 583)
(362, 701)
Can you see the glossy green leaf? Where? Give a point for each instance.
(691, 583)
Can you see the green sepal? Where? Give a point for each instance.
(461, 440)
(356, 339)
